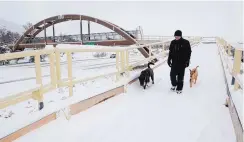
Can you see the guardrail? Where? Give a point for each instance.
(37, 93)
(233, 68)
(163, 38)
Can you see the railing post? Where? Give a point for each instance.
(52, 69)
(122, 60)
(226, 47)
(237, 66)
(69, 61)
(126, 68)
(38, 69)
(222, 42)
(217, 41)
(127, 63)
(38, 95)
(58, 68)
(229, 49)
(117, 65)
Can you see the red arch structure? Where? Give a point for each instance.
(42, 25)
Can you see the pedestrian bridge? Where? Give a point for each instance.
(127, 112)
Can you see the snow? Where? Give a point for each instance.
(154, 114)
(53, 101)
(236, 96)
(84, 65)
(26, 72)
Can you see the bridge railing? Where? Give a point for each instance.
(234, 82)
(159, 38)
(234, 67)
(163, 38)
(37, 93)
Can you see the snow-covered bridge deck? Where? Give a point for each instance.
(154, 114)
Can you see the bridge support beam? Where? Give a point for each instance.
(53, 34)
(81, 32)
(45, 34)
(89, 31)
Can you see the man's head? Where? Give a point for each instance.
(178, 34)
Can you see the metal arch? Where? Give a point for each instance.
(63, 18)
(48, 25)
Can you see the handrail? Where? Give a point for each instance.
(233, 67)
(224, 50)
(37, 93)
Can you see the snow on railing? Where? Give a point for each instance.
(122, 72)
(234, 83)
(162, 38)
(233, 67)
(122, 66)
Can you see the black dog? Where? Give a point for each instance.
(145, 75)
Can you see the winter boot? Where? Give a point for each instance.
(178, 91)
(173, 88)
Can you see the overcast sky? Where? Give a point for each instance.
(156, 18)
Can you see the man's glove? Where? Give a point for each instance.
(169, 63)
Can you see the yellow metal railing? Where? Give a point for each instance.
(122, 66)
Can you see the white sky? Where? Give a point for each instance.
(156, 18)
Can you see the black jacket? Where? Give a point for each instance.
(179, 53)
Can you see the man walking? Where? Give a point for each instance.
(178, 60)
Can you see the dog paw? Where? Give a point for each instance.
(152, 82)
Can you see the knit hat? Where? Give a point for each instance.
(178, 33)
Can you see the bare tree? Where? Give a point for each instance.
(2, 35)
(27, 26)
(7, 36)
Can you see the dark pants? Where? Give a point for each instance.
(179, 73)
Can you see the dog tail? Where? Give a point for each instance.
(197, 67)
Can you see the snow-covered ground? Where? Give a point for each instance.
(84, 65)
(154, 114)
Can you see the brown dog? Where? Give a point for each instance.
(193, 76)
